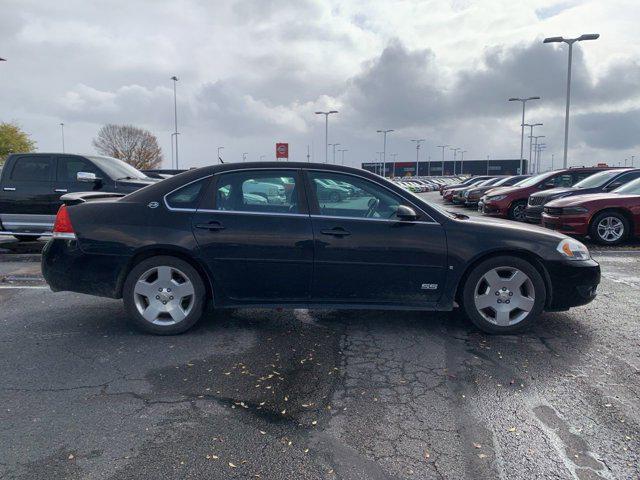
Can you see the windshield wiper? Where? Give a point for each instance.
(126, 178)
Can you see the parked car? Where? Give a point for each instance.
(511, 202)
(604, 181)
(449, 192)
(32, 183)
(608, 218)
(170, 248)
(473, 194)
(459, 197)
(456, 183)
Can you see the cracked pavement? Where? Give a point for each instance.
(320, 394)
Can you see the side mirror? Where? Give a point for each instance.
(406, 214)
(87, 177)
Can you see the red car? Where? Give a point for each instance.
(449, 192)
(608, 218)
(511, 202)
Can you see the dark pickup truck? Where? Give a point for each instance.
(31, 185)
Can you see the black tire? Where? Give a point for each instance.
(517, 210)
(129, 296)
(472, 282)
(335, 197)
(596, 235)
(26, 238)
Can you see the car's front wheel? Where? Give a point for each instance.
(164, 295)
(504, 294)
(517, 211)
(609, 228)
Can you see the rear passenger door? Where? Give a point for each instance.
(254, 233)
(27, 195)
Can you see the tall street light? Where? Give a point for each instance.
(455, 157)
(342, 150)
(244, 156)
(535, 146)
(442, 147)
(531, 126)
(384, 150)
(334, 145)
(62, 128)
(326, 132)
(219, 157)
(462, 161)
(175, 116)
(524, 101)
(393, 168)
(418, 142)
(570, 42)
(379, 162)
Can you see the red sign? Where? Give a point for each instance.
(282, 150)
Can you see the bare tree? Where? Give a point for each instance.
(136, 146)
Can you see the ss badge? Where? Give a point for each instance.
(429, 286)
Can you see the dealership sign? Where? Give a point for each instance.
(282, 150)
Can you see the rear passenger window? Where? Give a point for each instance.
(187, 196)
(32, 169)
(258, 191)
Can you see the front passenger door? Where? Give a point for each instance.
(67, 177)
(364, 253)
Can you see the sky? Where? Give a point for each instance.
(253, 72)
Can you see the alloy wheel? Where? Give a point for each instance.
(504, 296)
(610, 229)
(164, 295)
(518, 212)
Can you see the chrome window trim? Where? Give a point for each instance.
(248, 212)
(174, 209)
(391, 220)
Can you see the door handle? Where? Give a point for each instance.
(211, 226)
(9, 189)
(336, 232)
(61, 190)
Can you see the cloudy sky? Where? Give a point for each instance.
(252, 72)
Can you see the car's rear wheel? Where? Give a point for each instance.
(609, 228)
(517, 210)
(504, 295)
(164, 295)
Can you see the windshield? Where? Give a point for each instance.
(117, 169)
(535, 179)
(631, 188)
(597, 180)
(502, 181)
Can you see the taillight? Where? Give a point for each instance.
(63, 228)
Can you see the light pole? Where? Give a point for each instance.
(379, 162)
(570, 42)
(540, 148)
(524, 101)
(418, 142)
(462, 161)
(175, 116)
(342, 150)
(442, 147)
(535, 148)
(62, 128)
(455, 157)
(384, 150)
(531, 126)
(393, 168)
(219, 157)
(326, 132)
(244, 156)
(334, 145)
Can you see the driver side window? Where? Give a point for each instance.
(349, 196)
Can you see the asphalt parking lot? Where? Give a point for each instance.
(316, 394)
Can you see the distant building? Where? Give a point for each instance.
(510, 166)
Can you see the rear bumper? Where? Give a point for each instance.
(572, 283)
(66, 267)
(565, 224)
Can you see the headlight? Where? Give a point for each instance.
(573, 249)
(574, 210)
(496, 197)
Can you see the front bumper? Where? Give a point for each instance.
(533, 214)
(493, 209)
(569, 225)
(66, 267)
(573, 283)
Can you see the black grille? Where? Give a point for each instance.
(553, 210)
(535, 200)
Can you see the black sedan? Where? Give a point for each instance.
(200, 238)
